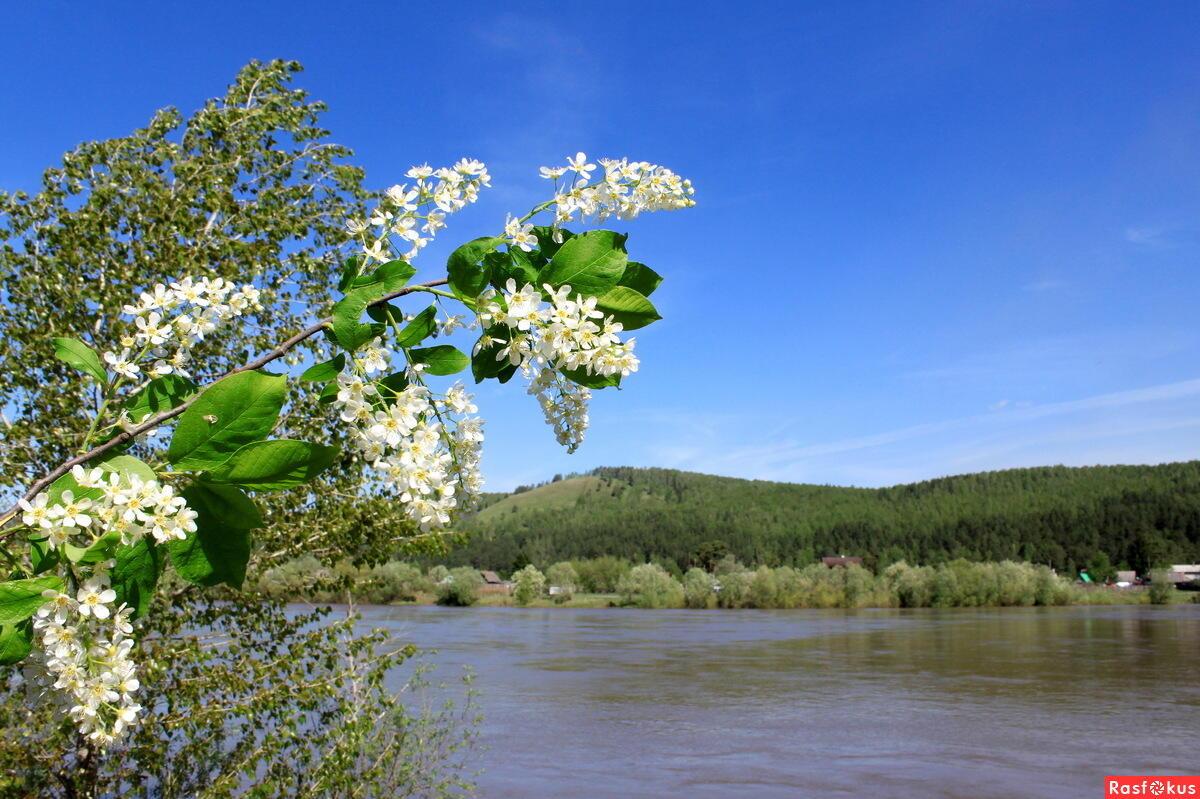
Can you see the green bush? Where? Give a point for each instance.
(649, 586)
(392, 582)
(600, 575)
(528, 584)
(735, 589)
(460, 588)
(698, 589)
(1161, 589)
(564, 576)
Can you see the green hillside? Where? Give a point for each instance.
(1135, 516)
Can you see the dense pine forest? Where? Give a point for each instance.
(1102, 518)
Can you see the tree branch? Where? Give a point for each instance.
(152, 422)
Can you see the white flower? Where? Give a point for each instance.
(122, 365)
(36, 514)
(71, 512)
(451, 323)
(57, 605)
(192, 291)
(87, 478)
(376, 250)
(151, 330)
(94, 597)
(520, 235)
(376, 358)
(579, 164)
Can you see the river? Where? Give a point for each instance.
(1029, 702)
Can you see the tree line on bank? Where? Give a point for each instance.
(729, 584)
(1099, 518)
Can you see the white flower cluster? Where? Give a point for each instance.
(129, 505)
(564, 333)
(565, 406)
(627, 189)
(519, 234)
(170, 321)
(424, 448)
(414, 214)
(86, 645)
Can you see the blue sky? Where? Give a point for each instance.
(930, 239)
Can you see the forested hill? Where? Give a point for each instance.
(1136, 516)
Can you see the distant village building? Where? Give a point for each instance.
(492, 584)
(1183, 573)
(841, 560)
(1126, 578)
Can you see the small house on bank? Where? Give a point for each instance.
(841, 561)
(492, 584)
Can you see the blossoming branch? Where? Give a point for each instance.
(552, 304)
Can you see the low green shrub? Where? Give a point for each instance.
(460, 588)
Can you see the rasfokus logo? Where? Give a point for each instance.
(1143, 785)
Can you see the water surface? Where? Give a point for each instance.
(1027, 702)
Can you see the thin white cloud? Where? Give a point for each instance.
(1017, 436)
(1146, 236)
(1048, 284)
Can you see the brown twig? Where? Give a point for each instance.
(154, 421)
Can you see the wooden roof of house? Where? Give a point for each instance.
(842, 560)
(491, 578)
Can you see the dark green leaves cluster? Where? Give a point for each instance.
(223, 436)
(361, 292)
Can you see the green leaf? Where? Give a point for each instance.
(20, 599)
(440, 360)
(391, 385)
(269, 465)
(41, 555)
(468, 278)
(516, 264)
(329, 393)
(135, 575)
(628, 307)
(590, 263)
(640, 278)
(102, 549)
(353, 337)
(546, 243)
(220, 548)
(160, 394)
(364, 291)
(16, 641)
(349, 272)
(581, 377)
(326, 370)
(392, 276)
(419, 329)
(81, 356)
(128, 466)
(385, 313)
(226, 416)
(483, 360)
